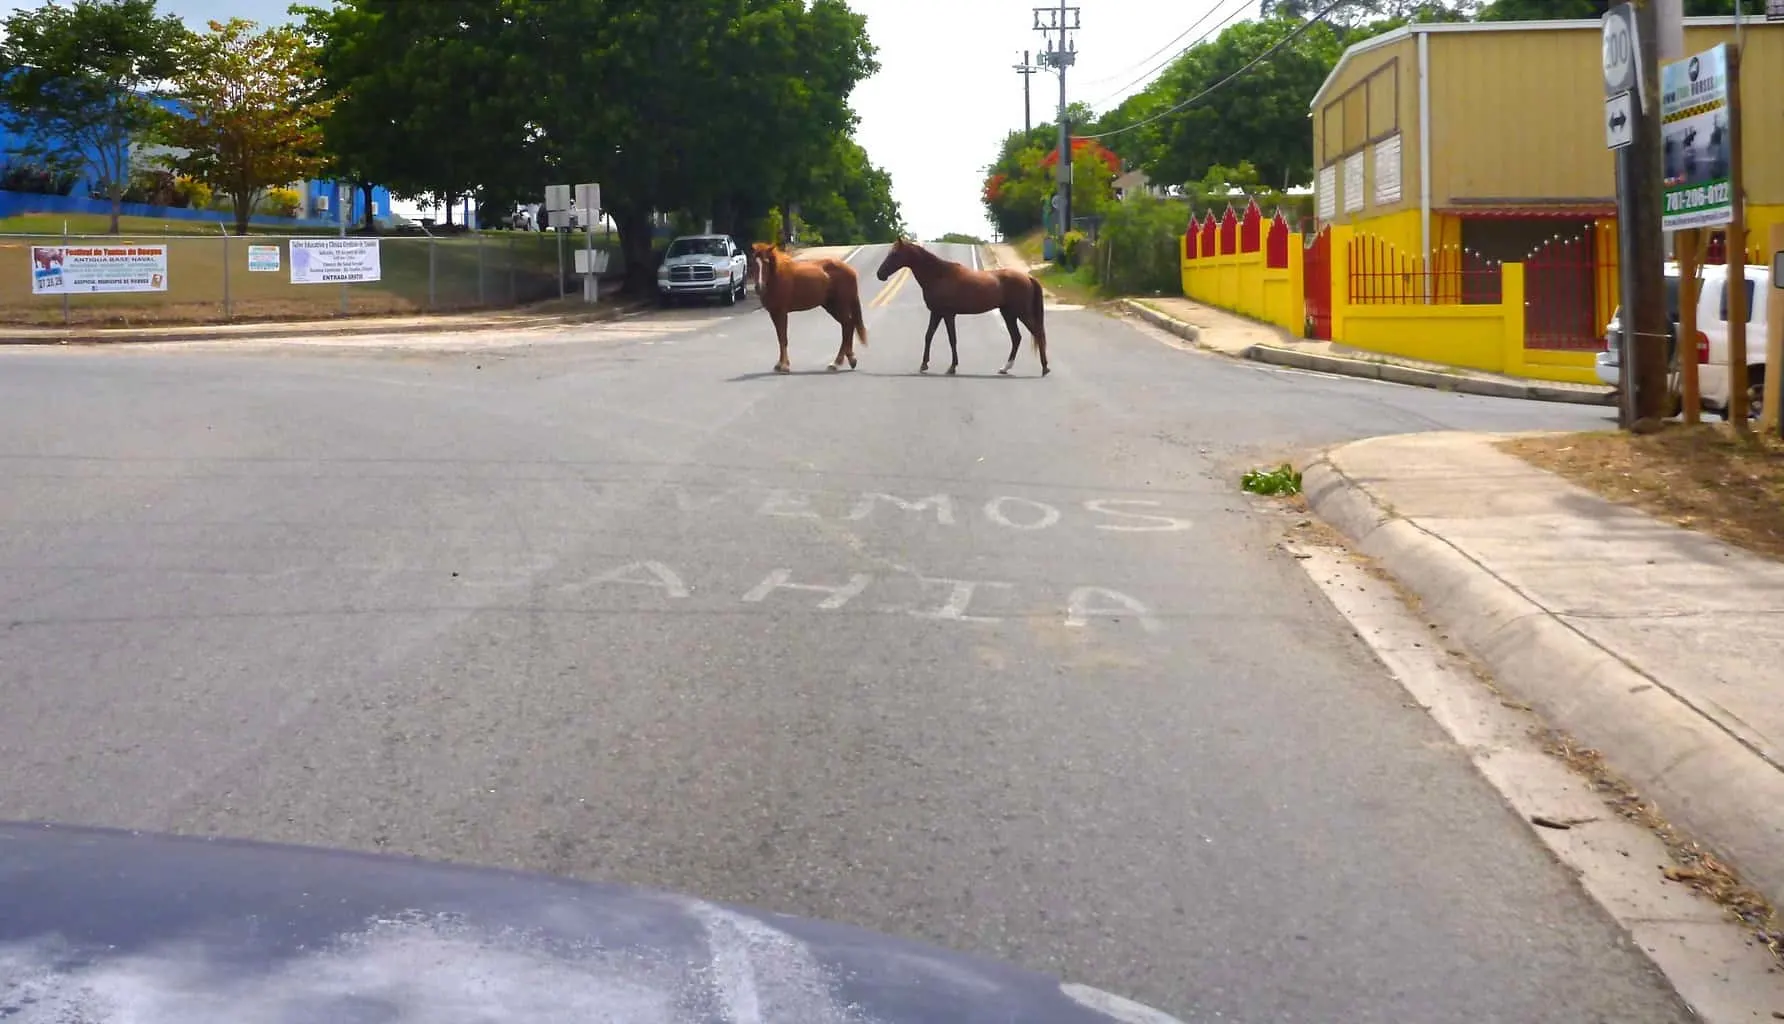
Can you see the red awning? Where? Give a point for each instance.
(1582, 211)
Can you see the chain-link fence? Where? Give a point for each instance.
(174, 279)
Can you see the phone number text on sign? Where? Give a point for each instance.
(89, 269)
(335, 260)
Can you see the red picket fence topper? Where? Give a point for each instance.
(1209, 246)
(1276, 245)
(1229, 233)
(1251, 228)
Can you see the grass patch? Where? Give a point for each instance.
(1075, 286)
(1030, 246)
(455, 273)
(1705, 478)
(1282, 481)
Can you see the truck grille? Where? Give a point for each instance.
(690, 274)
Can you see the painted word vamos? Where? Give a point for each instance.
(1010, 512)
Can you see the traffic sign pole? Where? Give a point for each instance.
(1631, 63)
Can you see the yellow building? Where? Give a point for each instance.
(1451, 148)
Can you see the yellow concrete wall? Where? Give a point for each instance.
(1479, 336)
(1244, 283)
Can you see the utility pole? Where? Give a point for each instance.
(1026, 70)
(1632, 67)
(1060, 55)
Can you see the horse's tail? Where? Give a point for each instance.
(1039, 303)
(860, 319)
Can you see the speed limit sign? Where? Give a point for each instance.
(1619, 49)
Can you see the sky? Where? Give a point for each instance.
(947, 90)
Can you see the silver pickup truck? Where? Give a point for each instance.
(707, 266)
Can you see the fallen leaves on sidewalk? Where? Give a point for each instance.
(1692, 865)
(1702, 478)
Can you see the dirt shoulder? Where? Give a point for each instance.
(1702, 478)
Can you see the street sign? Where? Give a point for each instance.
(1619, 121)
(557, 198)
(1619, 49)
(588, 197)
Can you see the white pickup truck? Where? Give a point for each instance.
(708, 266)
(1711, 345)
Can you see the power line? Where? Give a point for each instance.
(1284, 41)
(1199, 41)
(1218, 4)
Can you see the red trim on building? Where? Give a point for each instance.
(1580, 212)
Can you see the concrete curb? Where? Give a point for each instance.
(304, 329)
(1717, 789)
(1395, 373)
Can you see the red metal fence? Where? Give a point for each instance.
(1561, 295)
(1380, 274)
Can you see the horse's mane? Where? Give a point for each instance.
(920, 252)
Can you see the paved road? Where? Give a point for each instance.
(1002, 663)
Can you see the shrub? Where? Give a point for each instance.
(36, 178)
(1142, 241)
(281, 202)
(191, 193)
(1072, 249)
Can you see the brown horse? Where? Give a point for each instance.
(787, 285)
(950, 290)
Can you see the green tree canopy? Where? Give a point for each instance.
(251, 116)
(82, 79)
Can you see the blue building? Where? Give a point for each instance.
(83, 192)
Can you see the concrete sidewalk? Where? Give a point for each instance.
(1229, 334)
(1659, 647)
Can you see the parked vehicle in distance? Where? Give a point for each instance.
(706, 266)
(1711, 343)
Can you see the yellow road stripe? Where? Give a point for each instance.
(891, 288)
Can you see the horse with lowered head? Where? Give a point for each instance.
(951, 289)
(787, 285)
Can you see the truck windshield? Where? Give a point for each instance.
(696, 247)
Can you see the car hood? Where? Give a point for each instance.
(696, 259)
(100, 925)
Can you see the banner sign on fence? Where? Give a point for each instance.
(334, 260)
(1694, 141)
(76, 269)
(263, 258)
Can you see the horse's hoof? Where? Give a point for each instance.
(783, 369)
(851, 362)
(951, 371)
(923, 369)
(1005, 372)
(1045, 371)
(833, 367)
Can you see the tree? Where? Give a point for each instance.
(850, 199)
(251, 118)
(1263, 121)
(82, 83)
(959, 238)
(430, 99)
(725, 106)
(1550, 10)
